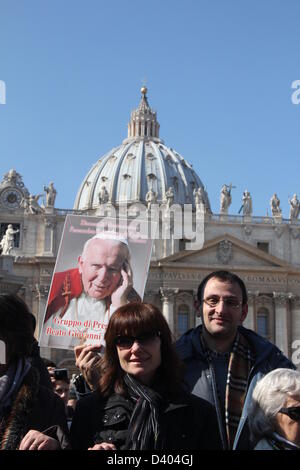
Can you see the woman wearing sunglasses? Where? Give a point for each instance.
(275, 416)
(140, 403)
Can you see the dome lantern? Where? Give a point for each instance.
(143, 121)
(142, 162)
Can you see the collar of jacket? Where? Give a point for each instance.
(106, 403)
(21, 410)
(120, 400)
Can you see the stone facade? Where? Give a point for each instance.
(263, 251)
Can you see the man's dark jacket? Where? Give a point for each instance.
(200, 377)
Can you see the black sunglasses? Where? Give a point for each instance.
(293, 412)
(126, 342)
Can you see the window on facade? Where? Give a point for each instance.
(263, 246)
(263, 323)
(3, 227)
(182, 244)
(182, 320)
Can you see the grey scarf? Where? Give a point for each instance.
(144, 427)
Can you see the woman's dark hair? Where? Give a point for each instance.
(134, 319)
(16, 326)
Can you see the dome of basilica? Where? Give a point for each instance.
(141, 163)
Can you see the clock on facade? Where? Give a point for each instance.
(11, 198)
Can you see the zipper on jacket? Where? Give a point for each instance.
(218, 411)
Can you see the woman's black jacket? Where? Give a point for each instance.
(188, 422)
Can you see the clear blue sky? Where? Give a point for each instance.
(219, 74)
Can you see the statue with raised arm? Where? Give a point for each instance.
(225, 198)
(169, 197)
(50, 194)
(294, 207)
(151, 198)
(7, 242)
(275, 206)
(103, 195)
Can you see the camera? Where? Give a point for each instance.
(61, 374)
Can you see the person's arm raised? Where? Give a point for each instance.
(88, 361)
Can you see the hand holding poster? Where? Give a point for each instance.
(96, 272)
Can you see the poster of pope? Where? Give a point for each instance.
(99, 268)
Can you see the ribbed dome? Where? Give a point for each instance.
(142, 162)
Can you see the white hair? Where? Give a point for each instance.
(269, 396)
(109, 235)
(115, 238)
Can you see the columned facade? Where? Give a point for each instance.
(263, 251)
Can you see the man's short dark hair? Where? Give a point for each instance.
(225, 276)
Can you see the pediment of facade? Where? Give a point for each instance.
(226, 252)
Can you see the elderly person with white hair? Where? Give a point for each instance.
(274, 419)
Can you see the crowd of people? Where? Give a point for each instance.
(219, 386)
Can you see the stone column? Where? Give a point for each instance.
(167, 298)
(49, 236)
(41, 292)
(282, 322)
(250, 320)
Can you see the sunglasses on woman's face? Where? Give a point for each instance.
(145, 339)
(293, 412)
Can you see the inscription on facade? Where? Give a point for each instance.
(194, 276)
(174, 276)
(266, 279)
